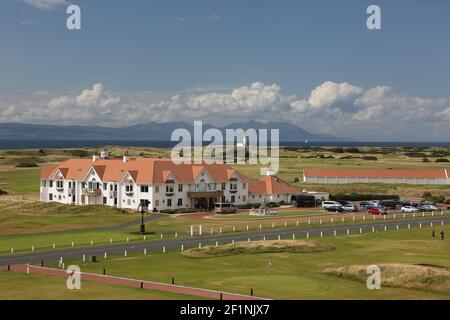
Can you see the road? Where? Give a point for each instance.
(77, 253)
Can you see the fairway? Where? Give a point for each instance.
(18, 286)
(284, 275)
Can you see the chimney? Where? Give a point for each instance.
(125, 158)
(95, 158)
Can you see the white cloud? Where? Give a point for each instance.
(214, 18)
(339, 108)
(44, 4)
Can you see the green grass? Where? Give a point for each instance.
(25, 180)
(293, 275)
(17, 286)
(280, 214)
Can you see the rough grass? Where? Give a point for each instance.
(292, 246)
(398, 275)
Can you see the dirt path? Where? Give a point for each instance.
(190, 291)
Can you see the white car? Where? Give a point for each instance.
(409, 209)
(328, 204)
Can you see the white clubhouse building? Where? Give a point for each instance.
(127, 182)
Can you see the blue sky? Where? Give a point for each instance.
(295, 61)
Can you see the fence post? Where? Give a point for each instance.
(192, 231)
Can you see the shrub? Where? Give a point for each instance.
(447, 201)
(371, 158)
(442, 160)
(3, 192)
(26, 165)
(363, 197)
(78, 153)
(296, 179)
(351, 150)
(425, 160)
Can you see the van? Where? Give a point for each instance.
(224, 208)
(303, 201)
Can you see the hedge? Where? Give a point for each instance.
(363, 197)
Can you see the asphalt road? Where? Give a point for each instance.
(157, 246)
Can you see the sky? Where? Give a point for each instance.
(311, 63)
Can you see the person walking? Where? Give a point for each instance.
(442, 235)
(433, 234)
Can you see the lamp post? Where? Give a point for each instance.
(143, 209)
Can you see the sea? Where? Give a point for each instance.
(38, 144)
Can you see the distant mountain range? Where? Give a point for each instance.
(146, 132)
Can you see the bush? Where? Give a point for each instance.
(296, 179)
(351, 150)
(442, 160)
(363, 197)
(447, 201)
(26, 165)
(371, 158)
(78, 153)
(174, 211)
(425, 160)
(3, 192)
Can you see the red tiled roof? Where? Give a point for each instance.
(270, 185)
(143, 170)
(375, 173)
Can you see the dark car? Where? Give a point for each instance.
(334, 209)
(303, 201)
(390, 204)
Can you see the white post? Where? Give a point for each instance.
(145, 238)
(364, 218)
(232, 241)
(220, 230)
(279, 237)
(373, 229)
(128, 239)
(321, 234)
(420, 225)
(182, 247)
(12, 250)
(273, 225)
(32, 248)
(297, 223)
(414, 214)
(54, 246)
(110, 240)
(293, 236)
(200, 230)
(234, 228)
(199, 245)
(73, 244)
(247, 227)
(394, 215)
(442, 222)
(161, 235)
(409, 226)
(431, 224)
(374, 217)
(217, 243)
(84, 258)
(320, 221)
(92, 242)
(348, 231)
(260, 226)
(335, 233)
(145, 251)
(285, 224)
(264, 238)
(432, 213)
(404, 216)
(105, 255)
(385, 228)
(176, 234)
(343, 219)
(307, 235)
(125, 253)
(309, 221)
(384, 217)
(360, 230)
(192, 231)
(353, 218)
(28, 270)
(164, 249)
(248, 239)
(332, 220)
(397, 227)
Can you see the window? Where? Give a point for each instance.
(244, 186)
(105, 186)
(51, 183)
(59, 184)
(157, 189)
(50, 197)
(70, 185)
(233, 186)
(129, 202)
(144, 189)
(233, 199)
(224, 186)
(169, 188)
(244, 198)
(169, 202)
(129, 188)
(44, 183)
(180, 202)
(157, 203)
(105, 200)
(111, 187)
(180, 188)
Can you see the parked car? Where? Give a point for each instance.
(224, 208)
(327, 204)
(377, 211)
(408, 203)
(303, 201)
(409, 209)
(427, 208)
(390, 204)
(349, 207)
(334, 209)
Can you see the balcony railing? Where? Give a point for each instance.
(202, 188)
(92, 192)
